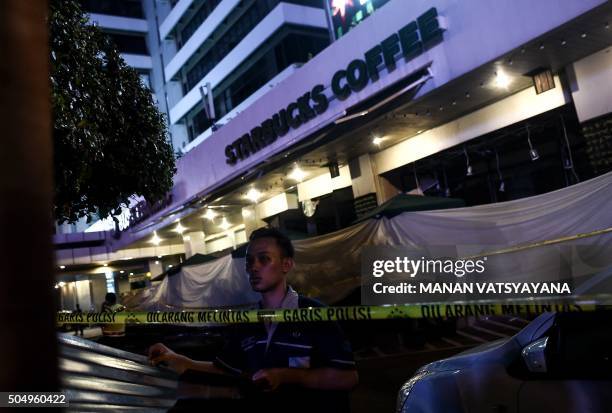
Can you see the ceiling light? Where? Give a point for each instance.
(61, 283)
(253, 195)
(225, 224)
(377, 141)
(62, 267)
(297, 174)
(210, 214)
(131, 273)
(501, 80)
(155, 239)
(106, 265)
(156, 262)
(179, 228)
(583, 35)
(170, 266)
(121, 272)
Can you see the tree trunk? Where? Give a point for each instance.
(27, 311)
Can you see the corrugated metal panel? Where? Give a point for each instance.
(101, 378)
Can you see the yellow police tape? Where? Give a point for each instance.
(311, 314)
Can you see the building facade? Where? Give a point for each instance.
(483, 102)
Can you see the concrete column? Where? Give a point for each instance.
(83, 293)
(251, 220)
(363, 176)
(232, 237)
(155, 268)
(194, 243)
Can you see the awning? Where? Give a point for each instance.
(405, 203)
(193, 260)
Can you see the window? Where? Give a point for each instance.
(198, 18)
(127, 43)
(125, 8)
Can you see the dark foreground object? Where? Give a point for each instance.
(101, 378)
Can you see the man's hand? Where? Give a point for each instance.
(159, 353)
(269, 379)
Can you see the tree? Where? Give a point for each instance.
(110, 140)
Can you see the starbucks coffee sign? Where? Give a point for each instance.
(408, 43)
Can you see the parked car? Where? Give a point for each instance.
(560, 362)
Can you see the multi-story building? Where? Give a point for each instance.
(221, 56)
(483, 102)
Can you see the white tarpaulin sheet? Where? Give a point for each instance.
(329, 266)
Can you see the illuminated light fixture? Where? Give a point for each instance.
(583, 35)
(377, 141)
(170, 266)
(159, 256)
(533, 153)
(61, 284)
(156, 262)
(121, 272)
(62, 267)
(56, 286)
(148, 273)
(131, 273)
(253, 195)
(563, 42)
(179, 228)
(105, 265)
(339, 7)
(469, 171)
(297, 174)
(502, 80)
(155, 240)
(420, 131)
(225, 224)
(210, 214)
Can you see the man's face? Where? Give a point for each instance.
(265, 264)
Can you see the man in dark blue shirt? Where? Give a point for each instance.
(308, 365)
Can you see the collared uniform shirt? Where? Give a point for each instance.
(291, 345)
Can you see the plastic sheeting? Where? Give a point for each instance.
(329, 266)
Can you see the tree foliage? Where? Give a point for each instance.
(110, 140)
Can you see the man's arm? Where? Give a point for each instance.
(159, 353)
(325, 378)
